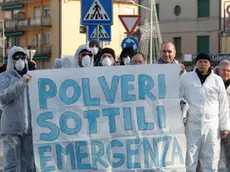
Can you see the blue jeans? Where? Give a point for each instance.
(18, 153)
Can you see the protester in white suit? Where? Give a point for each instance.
(224, 72)
(208, 115)
(82, 58)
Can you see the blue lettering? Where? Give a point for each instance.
(62, 92)
(44, 159)
(126, 87)
(97, 154)
(161, 117)
(68, 150)
(153, 153)
(177, 152)
(88, 100)
(80, 146)
(111, 112)
(110, 93)
(166, 140)
(119, 156)
(92, 116)
(145, 84)
(127, 118)
(44, 94)
(54, 130)
(142, 125)
(161, 86)
(63, 123)
(130, 153)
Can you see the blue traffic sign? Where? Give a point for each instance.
(96, 12)
(130, 42)
(104, 33)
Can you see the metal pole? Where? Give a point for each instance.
(97, 37)
(151, 33)
(87, 34)
(3, 36)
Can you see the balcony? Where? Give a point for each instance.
(30, 23)
(42, 51)
(15, 2)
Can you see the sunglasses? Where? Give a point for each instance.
(85, 54)
(22, 57)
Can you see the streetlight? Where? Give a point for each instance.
(3, 40)
(151, 26)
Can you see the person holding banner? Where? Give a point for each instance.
(82, 58)
(107, 57)
(16, 128)
(94, 47)
(168, 54)
(126, 55)
(224, 72)
(208, 115)
(138, 59)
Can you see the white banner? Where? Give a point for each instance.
(108, 119)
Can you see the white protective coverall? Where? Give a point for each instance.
(208, 115)
(16, 129)
(71, 61)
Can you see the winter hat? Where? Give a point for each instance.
(109, 51)
(203, 56)
(94, 42)
(128, 51)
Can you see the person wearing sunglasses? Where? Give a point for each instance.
(16, 130)
(82, 58)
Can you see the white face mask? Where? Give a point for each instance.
(106, 62)
(127, 60)
(20, 64)
(94, 50)
(86, 61)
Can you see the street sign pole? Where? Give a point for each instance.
(151, 34)
(97, 37)
(87, 31)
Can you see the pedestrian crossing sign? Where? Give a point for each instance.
(104, 33)
(96, 12)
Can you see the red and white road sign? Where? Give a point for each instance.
(130, 22)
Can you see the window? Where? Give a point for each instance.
(37, 40)
(47, 11)
(47, 38)
(177, 10)
(8, 15)
(203, 44)
(37, 15)
(203, 8)
(130, 11)
(177, 43)
(15, 14)
(158, 11)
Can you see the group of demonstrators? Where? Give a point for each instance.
(206, 93)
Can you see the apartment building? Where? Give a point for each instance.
(193, 25)
(52, 27)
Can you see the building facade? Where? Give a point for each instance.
(52, 27)
(193, 25)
